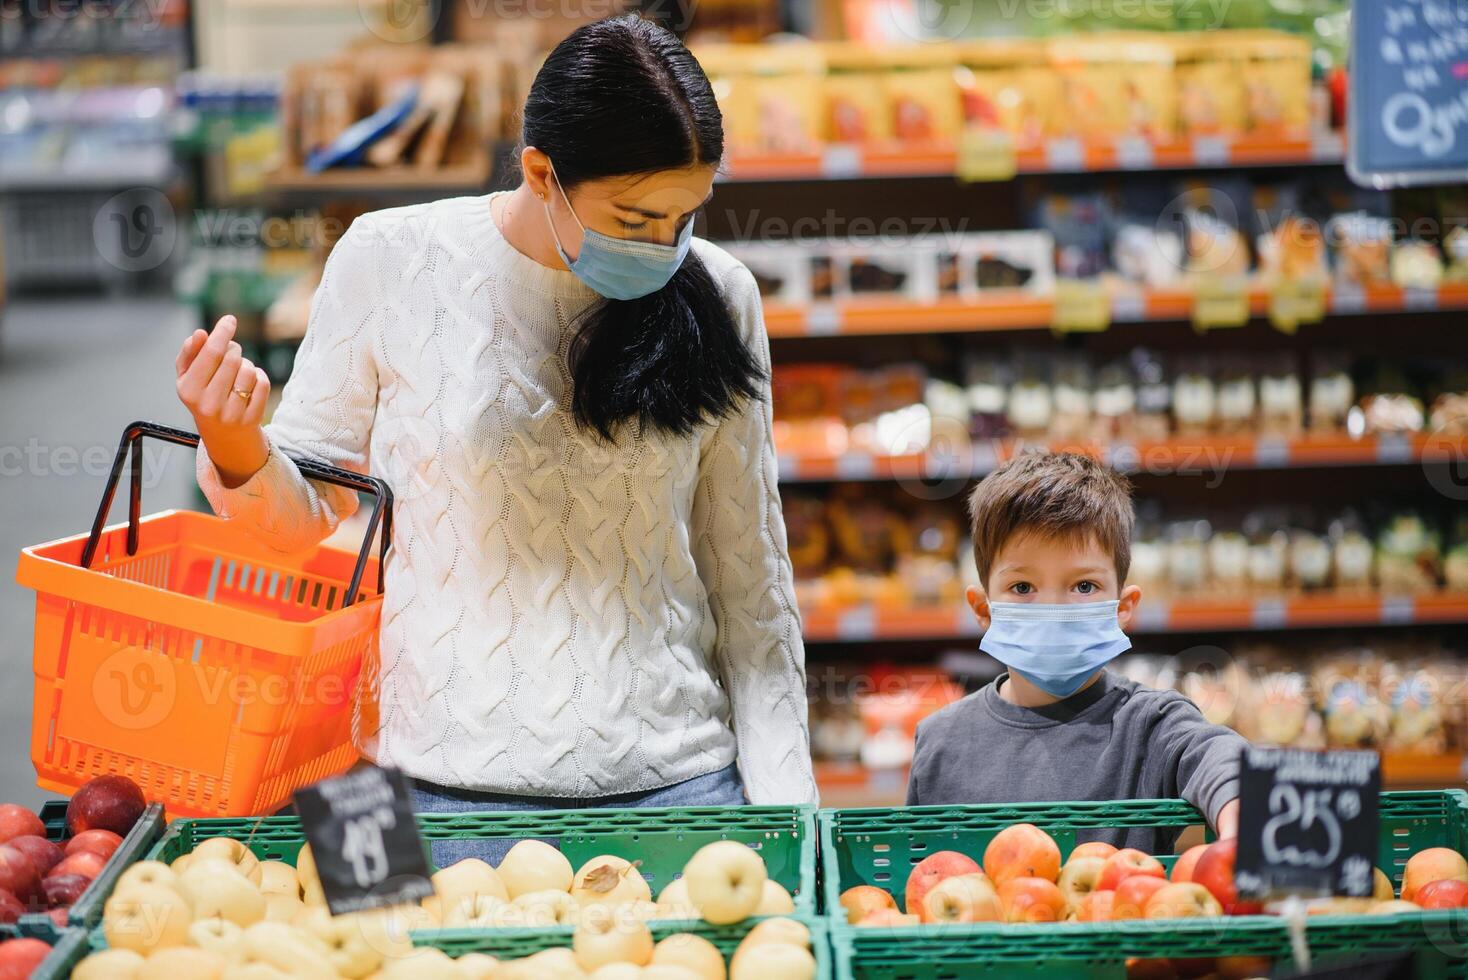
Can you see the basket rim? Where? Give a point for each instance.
(50, 576)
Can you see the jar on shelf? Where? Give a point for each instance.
(1332, 392)
(1154, 396)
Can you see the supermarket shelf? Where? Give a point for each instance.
(1175, 456)
(866, 623)
(849, 784)
(39, 179)
(1022, 311)
(848, 162)
(469, 177)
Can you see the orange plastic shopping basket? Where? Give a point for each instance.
(180, 651)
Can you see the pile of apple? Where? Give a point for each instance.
(220, 912)
(1023, 880)
(40, 875)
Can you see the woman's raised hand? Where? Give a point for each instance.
(226, 394)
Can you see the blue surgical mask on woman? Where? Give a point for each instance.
(1056, 647)
(618, 268)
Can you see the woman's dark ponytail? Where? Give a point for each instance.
(621, 97)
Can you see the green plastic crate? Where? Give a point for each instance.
(879, 847)
(87, 911)
(663, 839)
(516, 943)
(69, 948)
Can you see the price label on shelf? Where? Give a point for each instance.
(365, 840)
(1081, 306)
(1307, 822)
(1293, 302)
(1220, 301)
(985, 154)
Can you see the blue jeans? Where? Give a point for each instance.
(722, 788)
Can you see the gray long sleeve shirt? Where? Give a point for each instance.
(1116, 740)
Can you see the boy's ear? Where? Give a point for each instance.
(979, 602)
(1127, 605)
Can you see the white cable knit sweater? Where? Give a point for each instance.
(562, 618)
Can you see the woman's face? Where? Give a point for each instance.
(645, 207)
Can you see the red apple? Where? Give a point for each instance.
(1132, 896)
(64, 889)
(1127, 862)
(17, 874)
(1433, 864)
(931, 870)
(1182, 900)
(1027, 899)
(103, 842)
(1446, 893)
(108, 803)
(1182, 868)
(1092, 849)
(1215, 872)
(1021, 850)
(43, 854)
(17, 821)
(88, 864)
(20, 957)
(1095, 907)
(862, 900)
(11, 908)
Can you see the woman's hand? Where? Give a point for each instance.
(226, 395)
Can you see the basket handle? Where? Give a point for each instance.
(310, 468)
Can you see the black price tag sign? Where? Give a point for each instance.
(1307, 822)
(365, 840)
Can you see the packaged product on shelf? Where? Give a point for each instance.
(1332, 392)
(893, 705)
(1114, 404)
(1309, 559)
(770, 95)
(1281, 402)
(884, 272)
(808, 409)
(1455, 246)
(1215, 247)
(1408, 555)
(1114, 85)
(1079, 227)
(1030, 407)
(1352, 554)
(1449, 415)
(856, 108)
(1418, 723)
(1006, 260)
(1275, 69)
(1236, 400)
(810, 545)
(1070, 419)
(1149, 551)
(1007, 84)
(1293, 251)
(1269, 548)
(1154, 395)
(1361, 244)
(1148, 256)
(921, 94)
(926, 555)
(1389, 407)
(1210, 99)
(781, 269)
(1187, 556)
(1455, 561)
(1416, 264)
(1282, 712)
(865, 532)
(1228, 562)
(948, 411)
(986, 381)
(1194, 398)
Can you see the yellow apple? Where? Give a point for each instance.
(279, 878)
(773, 961)
(482, 912)
(470, 876)
(534, 866)
(284, 908)
(675, 893)
(355, 944)
(693, 953)
(550, 964)
(599, 942)
(618, 971)
(217, 935)
(548, 907)
(306, 874)
(477, 966)
(287, 949)
(146, 918)
(726, 881)
(609, 880)
(213, 891)
(1393, 907)
(233, 851)
(146, 873)
(775, 900)
(186, 963)
(110, 964)
(1381, 886)
(398, 924)
(425, 963)
(778, 931)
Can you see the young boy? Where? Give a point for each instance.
(1052, 538)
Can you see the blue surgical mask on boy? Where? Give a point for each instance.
(1056, 647)
(616, 267)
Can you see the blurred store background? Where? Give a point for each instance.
(978, 225)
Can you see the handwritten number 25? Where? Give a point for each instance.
(1290, 808)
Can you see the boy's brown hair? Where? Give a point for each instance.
(1055, 495)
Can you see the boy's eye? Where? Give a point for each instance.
(1021, 588)
(1086, 588)
(634, 226)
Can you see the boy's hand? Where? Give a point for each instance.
(1227, 824)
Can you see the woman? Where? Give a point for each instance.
(589, 600)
